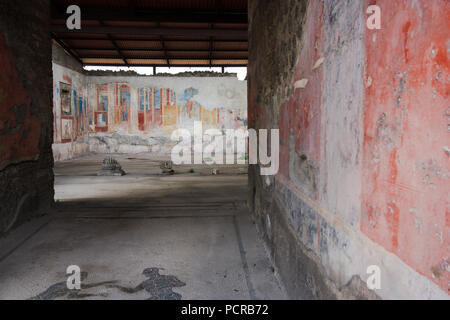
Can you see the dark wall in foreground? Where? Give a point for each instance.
(26, 119)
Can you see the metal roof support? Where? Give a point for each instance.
(164, 48)
(110, 38)
(153, 49)
(157, 15)
(238, 33)
(213, 37)
(165, 65)
(66, 48)
(153, 40)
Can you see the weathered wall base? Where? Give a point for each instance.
(70, 150)
(298, 266)
(289, 222)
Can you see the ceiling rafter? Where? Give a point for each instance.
(157, 49)
(135, 13)
(199, 32)
(162, 57)
(154, 40)
(130, 33)
(58, 8)
(165, 65)
(211, 39)
(67, 49)
(164, 48)
(110, 38)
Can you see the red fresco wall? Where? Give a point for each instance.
(19, 130)
(406, 130)
(301, 112)
(405, 187)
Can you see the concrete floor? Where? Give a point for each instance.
(194, 227)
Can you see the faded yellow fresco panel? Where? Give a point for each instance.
(208, 117)
(170, 115)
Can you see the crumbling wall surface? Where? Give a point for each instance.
(26, 176)
(406, 166)
(125, 113)
(354, 189)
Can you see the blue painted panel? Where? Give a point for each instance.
(80, 104)
(75, 101)
(141, 99)
(157, 99)
(125, 105)
(105, 103)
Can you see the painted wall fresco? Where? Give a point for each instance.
(146, 107)
(157, 108)
(70, 101)
(406, 136)
(364, 155)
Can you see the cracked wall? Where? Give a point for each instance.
(354, 187)
(129, 113)
(406, 172)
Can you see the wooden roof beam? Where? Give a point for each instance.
(238, 33)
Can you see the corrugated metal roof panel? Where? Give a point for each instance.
(190, 54)
(230, 26)
(229, 54)
(230, 62)
(98, 53)
(81, 35)
(144, 24)
(146, 61)
(129, 44)
(106, 44)
(190, 62)
(97, 3)
(180, 45)
(185, 25)
(189, 38)
(234, 5)
(143, 54)
(223, 44)
(103, 61)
